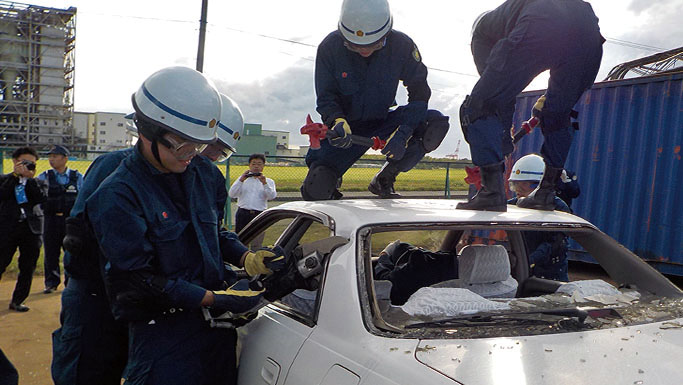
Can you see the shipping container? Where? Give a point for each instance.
(627, 156)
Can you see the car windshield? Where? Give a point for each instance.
(494, 280)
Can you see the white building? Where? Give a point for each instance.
(104, 131)
(282, 137)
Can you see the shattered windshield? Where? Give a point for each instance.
(493, 281)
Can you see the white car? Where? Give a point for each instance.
(480, 320)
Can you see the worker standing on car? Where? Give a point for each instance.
(546, 251)
(357, 70)
(63, 187)
(511, 45)
(160, 240)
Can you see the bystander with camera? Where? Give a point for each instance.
(252, 190)
(21, 221)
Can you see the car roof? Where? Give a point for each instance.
(353, 213)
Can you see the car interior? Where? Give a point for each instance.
(487, 271)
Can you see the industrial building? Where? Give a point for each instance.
(37, 76)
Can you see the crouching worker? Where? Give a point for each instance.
(160, 240)
(357, 71)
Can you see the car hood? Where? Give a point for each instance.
(637, 354)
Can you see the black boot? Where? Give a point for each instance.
(382, 184)
(543, 197)
(491, 197)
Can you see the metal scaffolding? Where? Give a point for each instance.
(37, 62)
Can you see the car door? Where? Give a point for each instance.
(269, 344)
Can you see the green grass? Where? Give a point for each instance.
(289, 178)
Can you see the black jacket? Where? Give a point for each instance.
(10, 213)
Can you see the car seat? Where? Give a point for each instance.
(484, 270)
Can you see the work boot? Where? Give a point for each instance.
(382, 183)
(491, 196)
(543, 197)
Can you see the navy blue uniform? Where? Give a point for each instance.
(160, 242)
(546, 250)
(90, 346)
(568, 191)
(511, 46)
(362, 90)
(62, 193)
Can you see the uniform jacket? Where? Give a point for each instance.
(363, 89)
(140, 229)
(36, 193)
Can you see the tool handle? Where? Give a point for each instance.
(527, 127)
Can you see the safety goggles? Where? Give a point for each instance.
(360, 48)
(182, 150)
(217, 152)
(514, 185)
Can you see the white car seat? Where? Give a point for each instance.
(484, 270)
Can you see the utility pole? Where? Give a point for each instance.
(202, 36)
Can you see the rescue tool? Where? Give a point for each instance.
(302, 271)
(318, 131)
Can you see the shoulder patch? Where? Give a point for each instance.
(416, 54)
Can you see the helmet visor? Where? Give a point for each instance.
(217, 153)
(182, 150)
(376, 46)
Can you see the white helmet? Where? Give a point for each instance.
(477, 21)
(363, 22)
(231, 124)
(528, 168)
(180, 100)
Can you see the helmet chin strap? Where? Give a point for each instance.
(155, 152)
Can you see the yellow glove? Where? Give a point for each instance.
(342, 131)
(538, 106)
(264, 261)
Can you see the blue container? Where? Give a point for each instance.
(627, 156)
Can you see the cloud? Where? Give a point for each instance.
(279, 102)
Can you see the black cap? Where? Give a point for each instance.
(60, 150)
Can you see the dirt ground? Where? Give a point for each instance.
(26, 338)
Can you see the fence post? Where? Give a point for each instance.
(2, 162)
(447, 189)
(227, 212)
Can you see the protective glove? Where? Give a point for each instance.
(538, 106)
(243, 319)
(238, 298)
(564, 177)
(264, 261)
(396, 145)
(343, 131)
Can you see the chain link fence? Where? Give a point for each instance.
(429, 179)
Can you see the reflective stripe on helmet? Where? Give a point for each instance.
(170, 110)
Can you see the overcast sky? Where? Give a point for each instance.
(262, 52)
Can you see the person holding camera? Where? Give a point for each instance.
(21, 221)
(253, 190)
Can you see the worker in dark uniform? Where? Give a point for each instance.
(160, 239)
(546, 250)
(63, 187)
(21, 221)
(99, 353)
(90, 346)
(511, 45)
(357, 71)
(568, 187)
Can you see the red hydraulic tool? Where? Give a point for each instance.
(318, 131)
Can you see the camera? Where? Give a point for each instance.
(250, 174)
(29, 165)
